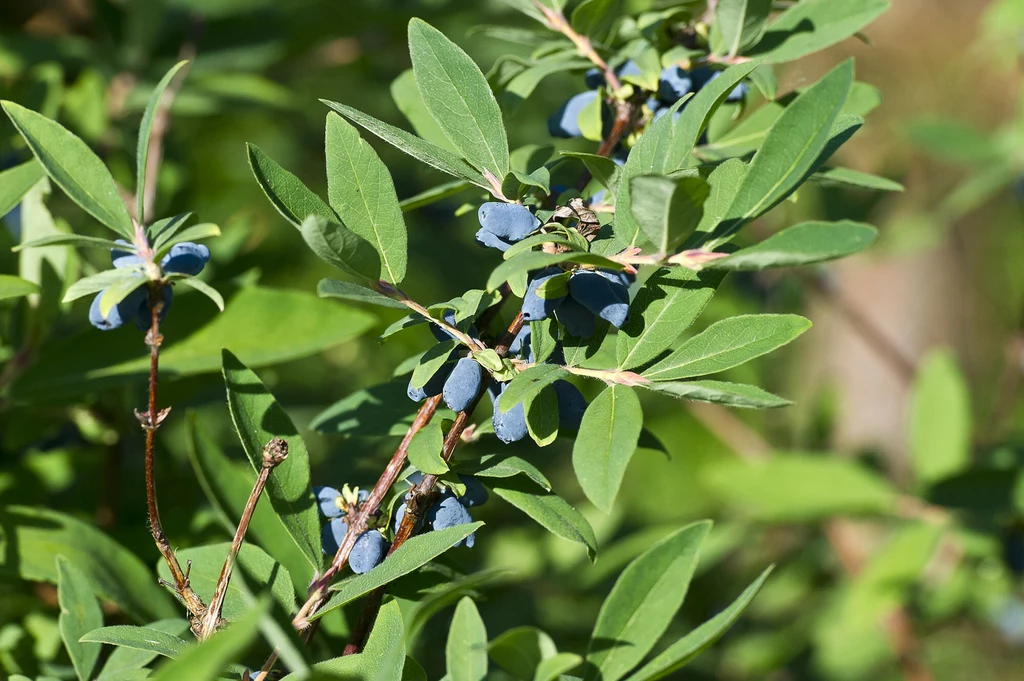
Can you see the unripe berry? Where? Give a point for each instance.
(536, 308)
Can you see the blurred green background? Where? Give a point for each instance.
(917, 346)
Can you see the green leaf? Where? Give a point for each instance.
(258, 418)
(382, 658)
(168, 238)
(529, 383)
(594, 17)
(205, 289)
(535, 260)
(410, 556)
(125, 660)
(457, 95)
(163, 230)
(603, 169)
(813, 25)
(791, 149)
(73, 166)
(940, 419)
(505, 466)
(120, 290)
(549, 510)
(554, 667)
(728, 343)
(79, 613)
(194, 336)
(101, 280)
(643, 603)
(332, 288)
(802, 244)
(410, 103)
(431, 362)
(683, 651)
(420, 149)
(336, 245)
(32, 538)
(361, 191)
(425, 450)
(139, 638)
(15, 183)
(855, 178)
(15, 287)
(518, 651)
(741, 22)
(606, 442)
(292, 199)
(466, 650)
(667, 209)
(665, 306)
(227, 485)
(725, 182)
(434, 194)
(720, 392)
(253, 562)
(206, 661)
(68, 240)
(145, 133)
(377, 411)
(797, 487)
(542, 416)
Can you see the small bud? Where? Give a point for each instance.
(275, 452)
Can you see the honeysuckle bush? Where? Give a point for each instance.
(600, 262)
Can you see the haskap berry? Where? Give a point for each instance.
(674, 84)
(476, 494)
(606, 299)
(509, 426)
(186, 258)
(434, 386)
(332, 535)
(328, 501)
(571, 404)
(448, 512)
(368, 552)
(535, 308)
(503, 224)
(564, 122)
(125, 311)
(463, 384)
(576, 319)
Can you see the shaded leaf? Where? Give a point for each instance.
(292, 199)
(206, 661)
(802, 244)
(79, 613)
(607, 439)
(140, 638)
(466, 649)
(529, 383)
(425, 450)
(15, 287)
(741, 23)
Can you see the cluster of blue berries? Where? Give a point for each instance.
(503, 224)
(676, 82)
(184, 258)
(458, 380)
(371, 547)
(589, 294)
(448, 510)
(510, 426)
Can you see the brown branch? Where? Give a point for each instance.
(274, 453)
(150, 421)
(557, 22)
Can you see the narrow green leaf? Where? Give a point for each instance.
(791, 149)
(518, 651)
(410, 556)
(408, 100)
(258, 418)
(124, 660)
(418, 148)
(550, 510)
(665, 209)
(362, 193)
(813, 25)
(604, 170)
(725, 182)
(800, 487)
(528, 383)
(120, 290)
(940, 419)
(606, 442)
(643, 603)
(99, 281)
(855, 178)
(741, 22)
(665, 306)
(555, 666)
(425, 450)
(15, 183)
(466, 649)
(205, 289)
(164, 229)
(79, 614)
(505, 466)
(336, 245)
(430, 362)
(15, 287)
(292, 199)
(206, 661)
(139, 638)
(68, 240)
(542, 416)
(594, 17)
(73, 166)
(535, 260)
(802, 244)
(332, 288)
(168, 238)
(434, 194)
(145, 133)
(683, 651)
(457, 95)
(728, 343)
(720, 392)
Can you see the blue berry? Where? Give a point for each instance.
(186, 258)
(565, 122)
(368, 552)
(485, 238)
(448, 512)
(463, 384)
(602, 297)
(125, 311)
(510, 222)
(522, 340)
(594, 78)
(125, 258)
(476, 494)
(434, 386)
(327, 499)
(363, 495)
(332, 535)
(674, 84)
(440, 334)
(143, 319)
(653, 103)
(536, 308)
(399, 515)
(509, 426)
(621, 278)
(630, 68)
(571, 405)
(576, 319)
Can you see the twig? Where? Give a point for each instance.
(274, 453)
(150, 421)
(557, 22)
